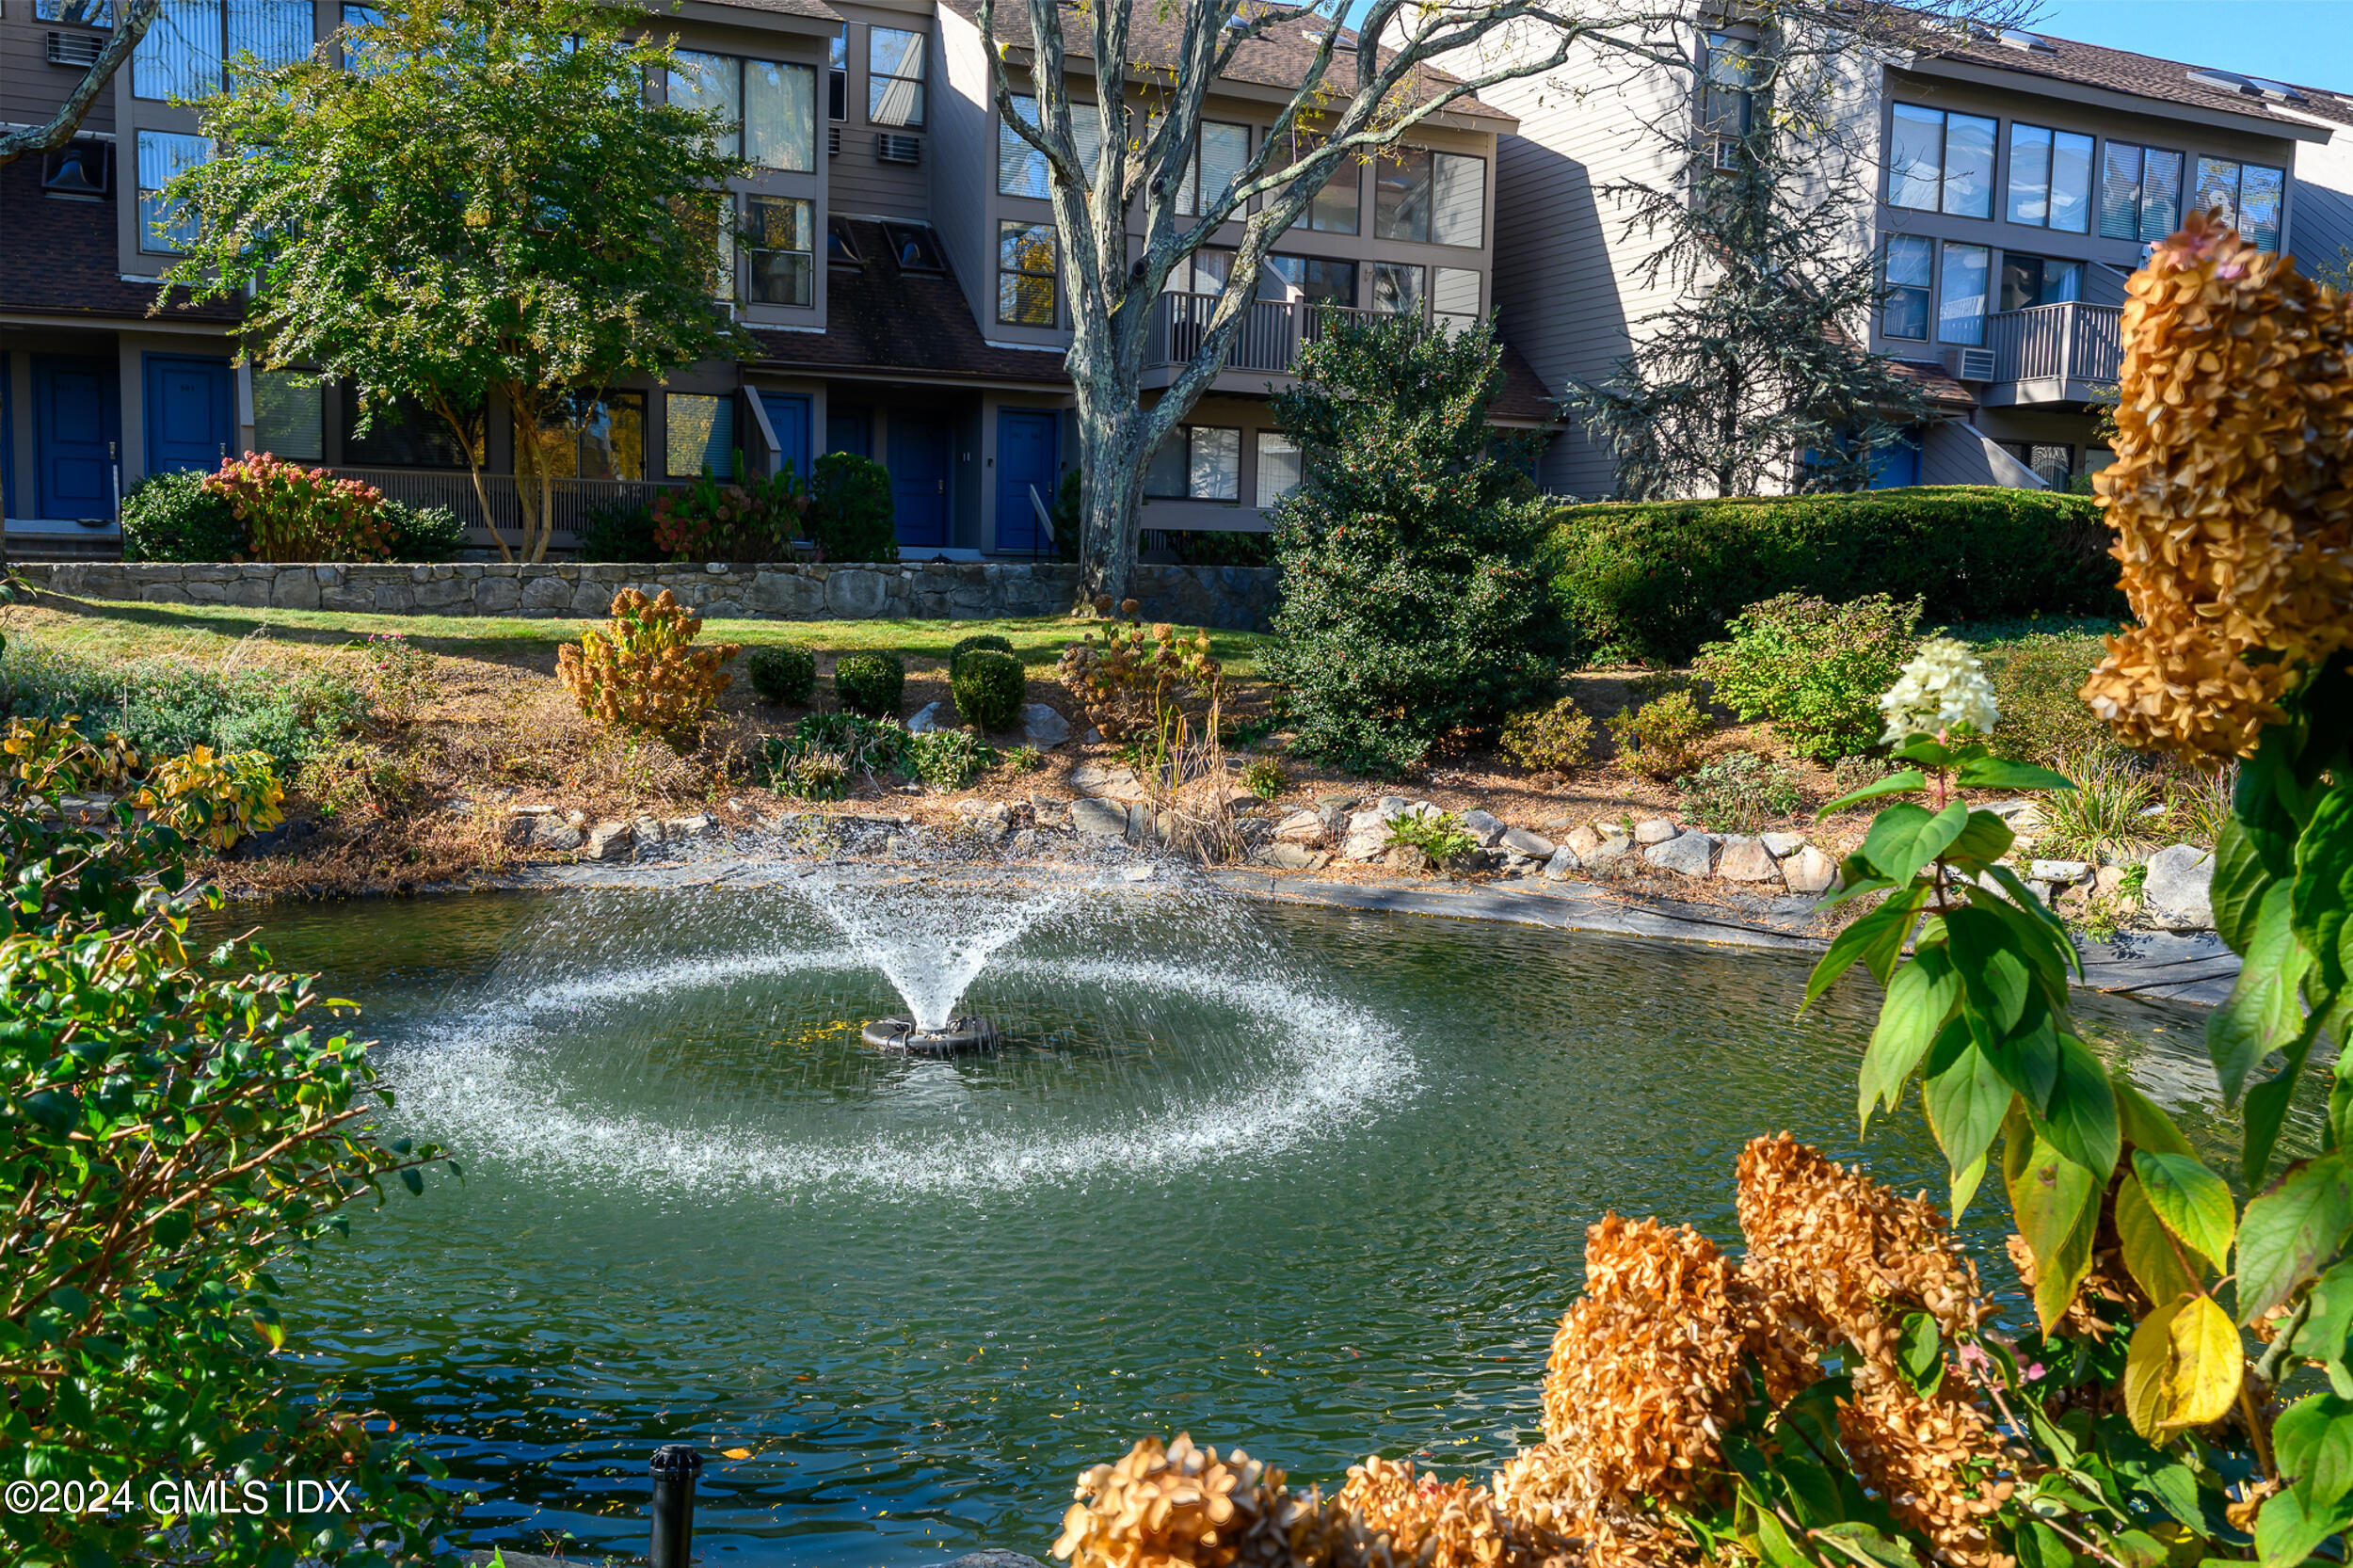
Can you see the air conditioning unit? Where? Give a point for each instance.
(1976, 364)
(894, 148)
(78, 50)
(833, 141)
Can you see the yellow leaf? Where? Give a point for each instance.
(2149, 1253)
(2207, 1363)
(735, 1453)
(2145, 1365)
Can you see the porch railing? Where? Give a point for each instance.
(1268, 340)
(569, 504)
(2058, 343)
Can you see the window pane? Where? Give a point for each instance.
(2259, 206)
(780, 115)
(1279, 469)
(1915, 155)
(1961, 314)
(1224, 148)
(2120, 192)
(894, 82)
(2062, 283)
(2160, 195)
(780, 232)
(2070, 183)
(1459, 206)
(1727, 104)
(1332, 209)
(711, 83)
(1968, 166)
(180, 54)
(2218, 189)
(1025, 274)
(1396, 289)
(1214, 472)
(837, 76)
(163, 155)
(1910, 260)
(1164, 477)
(613, 437)
(274, 32)
(1454, 291)
(289, 416)
(1401, 194)
(2029, 174)
(1021, 167)
(702, 435)
(86, 13)
(1086, 136)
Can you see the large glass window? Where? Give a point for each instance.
(1910, 259)
(1428, 197)
(165, 227)
(711, 83)
(779, 115)
(290, 415)
(2141, 192)
(1401, 194)
(2050, 179)
(86, 13)
(1309, 280)
(701, 435)
(1940, 162)
(1196, 462)
(406, 434)
(1217, 163)
(1458, 206)
(1454, 297)
(894, 76)
(1021, 168)
(1397, 288)
(1334, 209)
(1279, 467)
(780, 233)
(1203, 272)
(1727, 105)
(596, 435)
(2031, 281)
(2248, 197)
(1961, 308)
(1025, 274)
(184, 49)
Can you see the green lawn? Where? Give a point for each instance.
(117, 629)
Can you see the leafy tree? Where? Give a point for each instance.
(1415, 597)
(130, 25)
(484, 207)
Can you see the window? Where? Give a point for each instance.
(406, 433)
(1025, 274)
(1279, 467)
(1195, 462)
(2051, 462)
(1454, 297)
(289, 415)
(2140, 193)
(1960, 310)
(838, 75)
(2031, 281)
(779, 116)
(1429, 197)
(1940, 163)
(1333, 210)
(702, 217)
(82, 13)
(1910, 258)
(1218, 157)
(894, 76)
(2248, 197)
(1397, 289)
(163, 227)
(1021, 168)
(185, 47)
(841, 244)
(1309, 280)
(1401, 194)
(780, 232)
(2050, 179)
(702, 436)
(1204, 272)
(1727, 105)
(1457, 210)
(596, 437)
(711, 84)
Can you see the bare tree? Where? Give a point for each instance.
(1360, 93)
(130, 26)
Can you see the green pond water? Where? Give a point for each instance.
(1306, 1181)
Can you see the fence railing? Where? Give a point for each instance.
(1268, 340)
(569, 504)
(2058, 343)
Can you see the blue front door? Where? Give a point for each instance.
(1027, 458)
(191, 414)
(917, 461)
(77, 419)
(788, 416)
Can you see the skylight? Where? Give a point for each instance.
(2032, 42)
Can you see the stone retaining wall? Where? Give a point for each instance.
(1234, 597)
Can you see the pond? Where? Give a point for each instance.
(1310, 1182)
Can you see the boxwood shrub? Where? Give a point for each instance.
(872, 682)
(785, 676)
(1655, 579)
(966, 645)
(989, 688)
(172, 517)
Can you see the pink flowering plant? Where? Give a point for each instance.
(291, 513)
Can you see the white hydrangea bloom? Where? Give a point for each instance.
(1944, 688)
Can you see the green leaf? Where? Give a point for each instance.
(1882, 930)
(1993, 773)
(2257, 806)
(2056, 1203)
(1986, 839)
(2194, 1203)
(1920, 1352)
(1859, 1543)
(2029, 1063)
(2267, 1104)
(2080, 1120)
(2149, 1253)
(2291, 1232)
(2023, 900)
(2145, 1125)
(1927, 750)
(1985, 952)
(1921, 997)
(1966, 1104)
(1894, 784)
(1905, 837)
(2324, 884)
(2240, 881)
(2264, 1011)
(2328, 1322)
(2286, 1532)
(2314, 1441)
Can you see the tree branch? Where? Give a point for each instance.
(62, 126)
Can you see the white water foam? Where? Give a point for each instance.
(929, 948)
(484, 1088)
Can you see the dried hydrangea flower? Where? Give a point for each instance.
(1943, 689)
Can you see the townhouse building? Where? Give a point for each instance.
(2018, 182)
(898, 274)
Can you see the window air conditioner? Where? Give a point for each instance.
(1976, 364)
(833, 141)
(78, 50)
(893, 148)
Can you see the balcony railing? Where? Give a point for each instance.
(1268, 341)
(2058, 343)
(571, 504)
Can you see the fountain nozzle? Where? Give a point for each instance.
(959, 1035)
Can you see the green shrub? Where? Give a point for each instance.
(2104, 815)
(164, 707)
(869, 745)
(619, 533)
(1815, 669)
(172, 517)
(1558, 738)
(423, 533)
(850, 514)
(989, 688)
(1655, 579)
(1069, 518)
(806, 772)
(1739, 793)
(2036, 680)
(948, 758)
(784, 676)
(750, 519)
(1661, 737)
(871, 683)
(966, 645)
(1025, 758)
(1441, 837)
(1414, 553)
(1264, 777)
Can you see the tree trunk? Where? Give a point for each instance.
(1116, 437)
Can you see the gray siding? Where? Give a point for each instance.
(860, 183)
(1958, 455)
(30, 88)
(964, 168)
(2321, 235)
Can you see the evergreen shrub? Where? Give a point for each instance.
(872, 682)
(175, 516)
(851, 514)
(1556, 740)
(989, 688)
(784, 676)
(2036, 684)
(966, 645)
(1815, 669)
(1661, 737)
(423, 533)
(619, 533)
(1655, 579)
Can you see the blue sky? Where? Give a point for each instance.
(2308, 41)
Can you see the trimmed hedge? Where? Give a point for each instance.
(783, 675)
(989, 687)
(872, 682)
(1655, 579)
(966, 645)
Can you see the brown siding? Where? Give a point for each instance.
(30, 88)
(857, 181)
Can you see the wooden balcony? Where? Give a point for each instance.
(2054, 352)
(1267, 345)
(573, 500)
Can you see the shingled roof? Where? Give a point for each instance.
(62, 256)
(2091, 65)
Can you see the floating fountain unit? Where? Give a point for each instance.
(958, 1035)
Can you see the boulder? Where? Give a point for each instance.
(1367, 835)
(1563, 865)
(2061, 871)
(1582, 841)
(1657, 830)
(2106, 880)
(1486, 829)
(1747, 859)
(1290, 858)
(2178, 892)
(1098, 819)
(555, 835)
(608, 840)
(1392, 806)
(1043, 728)
(1686, 855)
(1781, 846)
(1809, 872)
(683, 830)
(1111, 783)
(927, 717)
(1519, 841)
(1300, 827)
(1607, 857)
(1050, 813)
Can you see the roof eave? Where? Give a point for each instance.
(2112, 98)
